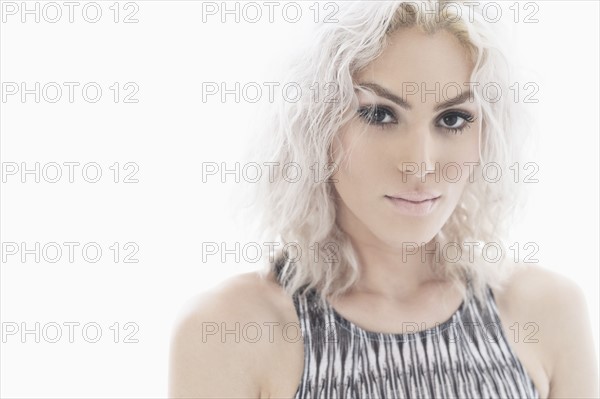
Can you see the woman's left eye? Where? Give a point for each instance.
(456, 122)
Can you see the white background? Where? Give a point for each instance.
(170, 211)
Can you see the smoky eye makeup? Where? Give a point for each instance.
(377, 114)
(453, 121)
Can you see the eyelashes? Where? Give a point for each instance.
(454, 122)
(453, 116)
(377, 114)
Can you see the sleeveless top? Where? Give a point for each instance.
(467, 356)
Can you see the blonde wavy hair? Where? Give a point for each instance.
(299, 214)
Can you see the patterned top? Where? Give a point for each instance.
(467, 356)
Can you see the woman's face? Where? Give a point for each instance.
(408, 139)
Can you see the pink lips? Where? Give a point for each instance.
(415, 196)
(415, 203)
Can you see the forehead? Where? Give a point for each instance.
(422, 58)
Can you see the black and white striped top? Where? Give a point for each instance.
(467, 356)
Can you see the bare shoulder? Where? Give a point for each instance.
(555, 306)
(234, 297)
(221, 337)
(539, 286)
(541, 295)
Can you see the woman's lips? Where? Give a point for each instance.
(415, 196)
(411, 207)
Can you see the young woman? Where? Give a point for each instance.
(385, 287)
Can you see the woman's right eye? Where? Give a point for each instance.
(377, 115)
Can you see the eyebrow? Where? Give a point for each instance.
(385, 93)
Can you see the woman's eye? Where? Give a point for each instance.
(451, 121)
(376, 115)
(456, 122)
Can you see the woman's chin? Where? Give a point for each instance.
(411, 240)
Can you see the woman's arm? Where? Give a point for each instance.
(203, 362)
(574, 373)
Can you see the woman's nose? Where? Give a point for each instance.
(418, 153)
